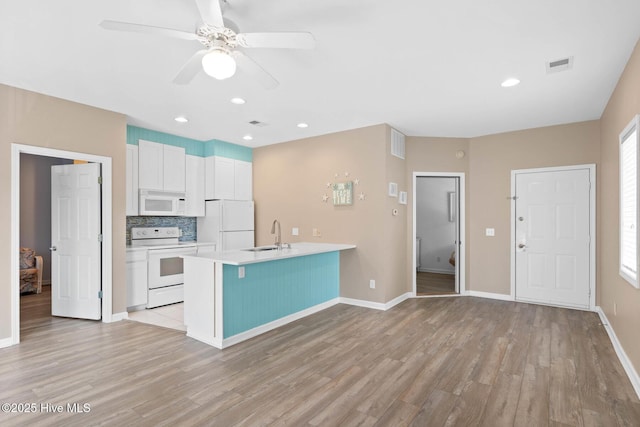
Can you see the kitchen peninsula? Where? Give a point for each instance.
(232, 296)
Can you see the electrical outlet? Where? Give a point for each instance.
(295, 231)
(316, 233)
(372, 284)
(241, 272)
(490, 232)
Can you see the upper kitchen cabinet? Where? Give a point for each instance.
(132, 180)
(243, 180)
(228, 179)
(194, 195)
(161, 167)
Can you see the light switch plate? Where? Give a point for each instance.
(295, 231)
(490, 232)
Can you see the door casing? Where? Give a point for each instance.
(460, 269)
(107, 229)
(592, 225)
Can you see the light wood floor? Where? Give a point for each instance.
(435, 283)
(443, 361)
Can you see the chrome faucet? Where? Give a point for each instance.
(278, 242)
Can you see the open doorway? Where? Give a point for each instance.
(105, 221)
(438, 224)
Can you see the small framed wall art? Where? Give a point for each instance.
(343, 193)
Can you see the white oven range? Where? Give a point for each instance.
(165, 274)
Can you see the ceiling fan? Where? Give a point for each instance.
(220, 55)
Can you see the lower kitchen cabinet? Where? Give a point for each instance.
(136, 278)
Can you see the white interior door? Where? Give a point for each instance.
(552, 237)
(75, 241)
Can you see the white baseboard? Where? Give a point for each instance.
(376, 305)
(243, 336)
(116, 317)
(490, 295)
(214, 342)
(622, 356)
(6, 342)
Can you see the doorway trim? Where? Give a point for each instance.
(461, 222)
(107, 244)
(592, 226)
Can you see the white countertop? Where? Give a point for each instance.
(241, 257)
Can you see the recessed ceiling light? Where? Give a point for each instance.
(303, 125)
(247, 137)
(181, 119)
(510, 82)
(237, 101)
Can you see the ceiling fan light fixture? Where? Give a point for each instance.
(219, 64)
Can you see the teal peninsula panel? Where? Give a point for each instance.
(275, 289)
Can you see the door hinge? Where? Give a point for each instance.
(100, 294)
(100, 180)
(99, 237)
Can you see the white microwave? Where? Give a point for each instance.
(161, 203)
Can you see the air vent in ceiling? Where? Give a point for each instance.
(257, 123)
(397, 143)
(560, 65)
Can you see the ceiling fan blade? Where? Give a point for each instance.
(147, 29)
(191, 68)
(285, 40)
(211, 12)
(254, 70)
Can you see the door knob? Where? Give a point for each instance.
(522, 246)
(53, 248)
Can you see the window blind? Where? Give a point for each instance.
(629, 205)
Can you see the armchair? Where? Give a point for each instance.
(30, 271)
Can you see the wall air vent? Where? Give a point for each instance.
(560, 65)
(397, 143)
(257, 123)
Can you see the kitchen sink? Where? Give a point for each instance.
(261, 249)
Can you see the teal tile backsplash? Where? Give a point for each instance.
(186, 224)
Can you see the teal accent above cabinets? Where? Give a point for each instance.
(226, 149)
(275, 289)
(193, 147)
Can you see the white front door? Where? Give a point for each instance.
(552, 237)
(75, 243)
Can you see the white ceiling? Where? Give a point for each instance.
(426, 67)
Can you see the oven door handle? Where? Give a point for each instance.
(172, 251)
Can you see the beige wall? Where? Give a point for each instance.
(491, 160)
(623, 105)
(290, 180)
(33, 119)
(394, 250)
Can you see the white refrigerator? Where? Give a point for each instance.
(228, 223)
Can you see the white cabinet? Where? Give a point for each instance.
(132, 180)
(243, 179)
(228, 179)
(194, 194)
(174, 168)
(150, 165)
(206, 248)
(219, 178)
(136, 278)
(161, 167)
